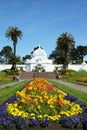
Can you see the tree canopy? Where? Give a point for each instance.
(65, 43)
(5, 53)
(14, 33)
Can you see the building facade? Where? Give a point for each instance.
(39, 62)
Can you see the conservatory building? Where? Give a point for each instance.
(39, 62)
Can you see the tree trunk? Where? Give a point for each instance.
(14, 49)
(65, 64)
(14, 64)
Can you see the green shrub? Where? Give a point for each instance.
(62, 71)
(66, 72)
(12, 72)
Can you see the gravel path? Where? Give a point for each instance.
(81, 88)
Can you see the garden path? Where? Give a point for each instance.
(81, 88)
(9, 84)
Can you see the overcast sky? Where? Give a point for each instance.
(42, 22)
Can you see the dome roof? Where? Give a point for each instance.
(39, 52)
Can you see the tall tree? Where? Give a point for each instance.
(77, 54)
(73, 55)
(64, 44)
(14, 33)
(26, 57)
(82, 51)
(14, 59)
(6, 52)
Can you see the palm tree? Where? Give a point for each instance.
(14, 33)
(65, 42)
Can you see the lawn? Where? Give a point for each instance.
(4, 79)
(81, 74)
(3, 75)
(78, 78)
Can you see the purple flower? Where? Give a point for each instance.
(33, 123)
(84, 123)
(20, 122)
(71, 98)
(44, 123)
(71, 122)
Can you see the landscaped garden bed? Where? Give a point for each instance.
(78, 79)
(40, 104)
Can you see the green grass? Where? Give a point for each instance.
(79, 75)
(6, 93)
(80, 83)
(82, 97)
(6, 81)
(3, 75)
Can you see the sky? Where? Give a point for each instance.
(42, 22)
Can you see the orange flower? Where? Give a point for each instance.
(61, 102)
(36, 97)
(26, 94)
(46, 98)
(29, 101)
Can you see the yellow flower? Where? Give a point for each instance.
(64, 113)
(32, 114)
(46, 116)
(15, 104)
(39, 107)
(51, 118)
(40, 117)
(20, 107)
(51, 106)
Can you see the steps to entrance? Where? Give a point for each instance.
(32, 75)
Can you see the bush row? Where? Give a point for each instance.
(66, 72)
(12, 72)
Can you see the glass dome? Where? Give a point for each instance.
(39, 52)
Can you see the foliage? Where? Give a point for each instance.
(79, 75)
(3, 74)
(36, 49)
(64, 44)
(14, 33)
(26, 57)
(12, 72)
(78, 79)
(32, 105)
(77, 54)
(6, 52)
(73, 92)
(4, 78)
(7, 92)
(27, 107)
(68, 72)
(15, 60)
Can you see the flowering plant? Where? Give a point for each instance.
(41, 100)
(39, 103)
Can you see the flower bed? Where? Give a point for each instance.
(5, 79)
(78, 79)
(40, 103)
